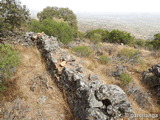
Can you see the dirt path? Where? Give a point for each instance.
(37, 96)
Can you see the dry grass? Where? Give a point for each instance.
(147, 59)
(55, 107)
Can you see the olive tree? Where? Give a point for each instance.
(12, 14)
(61, 13)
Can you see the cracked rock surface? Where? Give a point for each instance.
(88, 97)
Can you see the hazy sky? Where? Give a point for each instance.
(97, 5)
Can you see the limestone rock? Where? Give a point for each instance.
(114, 100)
(42, 99)
(62, 64)
(93, 77)
(151, 78)
(89, 98)
(119, 70)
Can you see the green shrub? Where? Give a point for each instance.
(130, 54)
(125, 78)
(117, 36)
(83, 51)
(104, 59)
(80, 35)
(157, 36)
(12, 15)
(3, 87)
(58, 29)
(154, 44)
(35, 26)
(96, 38)
(97, 35)
(59, 13)
(9, 59)
(138, 43)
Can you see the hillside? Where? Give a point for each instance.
(51, 84)
(56, 68)
(31, 92)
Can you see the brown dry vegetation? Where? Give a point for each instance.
(104, 71)
(33, 71)
(31, 82)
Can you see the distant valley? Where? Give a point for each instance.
(140, 25)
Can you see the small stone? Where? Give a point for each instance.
(79, 70)
(93, 77)
(33, 87)
(71, 59)
(42, 99)
(99, 53)
(119, 70)
(34, 37)
(62, 64)
(74, 64)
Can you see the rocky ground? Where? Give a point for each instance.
(37, 97)
(53, 82)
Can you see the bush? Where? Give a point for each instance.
(97, 35)
(157, 36)
(60, 13)
(12, 15)
(3, 87)
(80, 35)
(130, 55)
(125, 78)
(35, 26)
(104, 59)
(154, 44)
(58, 29)
(8, 61)
(83, 51)
(138, 43)
(96, 38)
(117, 36)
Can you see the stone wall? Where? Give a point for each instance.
(88, 97)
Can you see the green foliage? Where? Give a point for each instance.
(104, 59)
(125, 78)
(117, 36)
(58, 29)
(97, 35)
(9, 59)
(80, 35)
(153, 44)
(61, 13)
(35, 26)
(83, 51)
(3, 87)
(138, 43)
(96, 38)
(157, 36)
(130, 54)
(12, 15)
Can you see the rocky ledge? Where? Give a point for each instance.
(151, 78)
(88, 97)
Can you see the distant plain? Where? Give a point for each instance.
(140, 25)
